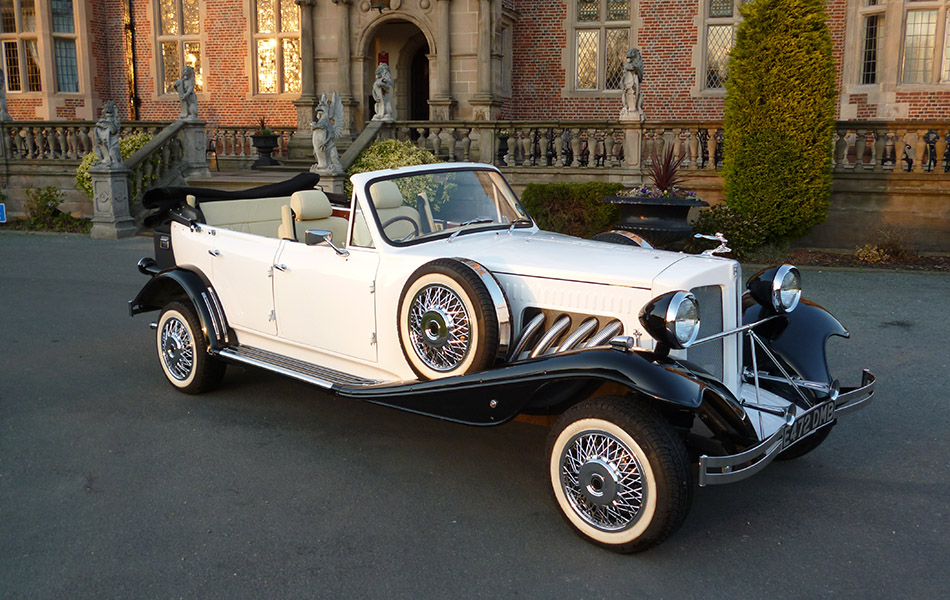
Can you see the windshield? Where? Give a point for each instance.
(419, 206)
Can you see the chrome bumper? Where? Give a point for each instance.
(715, 470)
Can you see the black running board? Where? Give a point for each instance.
(324, 377)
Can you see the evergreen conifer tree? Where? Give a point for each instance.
(779, 117)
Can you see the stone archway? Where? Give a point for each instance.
(406, 48)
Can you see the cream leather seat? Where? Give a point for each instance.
(389, 205)
(310, 209)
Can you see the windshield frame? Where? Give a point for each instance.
(497, 179)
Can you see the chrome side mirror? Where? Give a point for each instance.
(323, 237)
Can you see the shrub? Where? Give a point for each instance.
(42, 212)
(744, 232)
(127, 147)
(388, 154)
(573, 208)
(779, 118)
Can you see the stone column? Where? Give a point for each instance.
(483, 100)
(344, 57)
(110, 196)
(194, 141)
(443, 102)
(300, 145)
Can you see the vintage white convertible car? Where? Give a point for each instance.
(433, 291)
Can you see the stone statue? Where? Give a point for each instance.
(106, 136)
(4, 115)
(383, 94)
(186, 93)
(633, 87)
(327, 128)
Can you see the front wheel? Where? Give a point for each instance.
(619, 473)
(182, 354)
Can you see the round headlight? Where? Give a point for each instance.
(672, 319)
(778, 288)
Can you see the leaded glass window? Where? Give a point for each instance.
(601, 41)
(722, 18)
(920, 34)
(179, 41)
(873, 34)
(277, 46)
(20, 45)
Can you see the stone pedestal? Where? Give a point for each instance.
(194, 141)
(632, 143)
(331, 182)
(110, 196)
(441, 108)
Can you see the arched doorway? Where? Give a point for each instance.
(405, 47)
(419, 85)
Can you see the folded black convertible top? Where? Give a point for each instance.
(166, 198)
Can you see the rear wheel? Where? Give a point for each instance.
(182, 351)
(619, 473)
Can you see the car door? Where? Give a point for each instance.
(241, 270)
(325, 300)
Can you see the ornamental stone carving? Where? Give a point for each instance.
(327, 127)
(383, 94)
(106, 136)
(186, 93)
(633, 87)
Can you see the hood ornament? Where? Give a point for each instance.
(722, 248)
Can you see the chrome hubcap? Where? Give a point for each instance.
(177, 350)
(602, 480)
(439, 327)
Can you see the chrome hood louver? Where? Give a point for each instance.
(534, 341)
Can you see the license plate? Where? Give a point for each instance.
(807, 422)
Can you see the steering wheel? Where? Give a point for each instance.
(415, 226)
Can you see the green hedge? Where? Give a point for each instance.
(779, 118)
(573, 208)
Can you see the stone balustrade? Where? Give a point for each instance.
(884, 147)
(59, 140)
(235, 142)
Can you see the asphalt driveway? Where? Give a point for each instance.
(114, 485)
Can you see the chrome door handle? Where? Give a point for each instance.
(281, 268)
(214, 252)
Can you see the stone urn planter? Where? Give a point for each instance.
(660, 220)
(265, 143)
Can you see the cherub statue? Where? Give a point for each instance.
(383, 93)
(633, 86)
(327, 127)
(186, 93)
(106, 136)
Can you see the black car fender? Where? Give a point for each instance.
(799, 338)
(182, 283)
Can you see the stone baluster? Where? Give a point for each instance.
(72, 143)
(850, 139)
(512, 145)
(919, 151)
(559, 149)
(421, 140)
(576, 147)
(890, 151)
(466, 144)
(711, 143)
(524, 147)
(941, 152)
(677, 144)
(595, 145)
(609, 142)
(435, 141)
(863, 137)
(449, 140)
(31, 143)
(649, 146)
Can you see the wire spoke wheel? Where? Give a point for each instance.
(619, 473)
(439, 327)
(177, 348)
(603, 480)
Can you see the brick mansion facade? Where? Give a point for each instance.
(451, 59)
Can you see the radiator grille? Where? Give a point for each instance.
(709, 355)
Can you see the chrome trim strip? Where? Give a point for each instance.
(220, 311)
(268, 366)
(498, 298)
(719, 469)
(214, 317)
(733, 331)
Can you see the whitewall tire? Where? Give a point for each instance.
(182, 351)
(447, 321)
(619, 473)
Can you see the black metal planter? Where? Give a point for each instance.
(265, 143)
(660, 221)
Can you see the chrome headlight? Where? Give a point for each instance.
(778, 288)
(672, 319)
